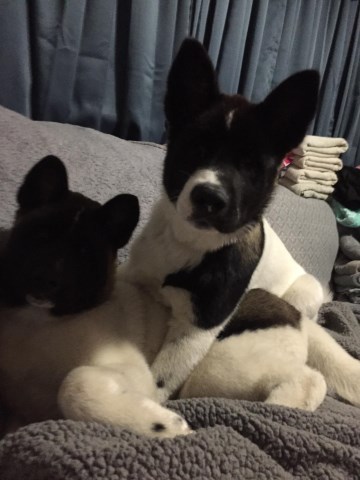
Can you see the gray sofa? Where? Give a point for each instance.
(234, 439)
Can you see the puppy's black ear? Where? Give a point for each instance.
(45, 183)
(192, 85)
(119, 217)
(287, 111)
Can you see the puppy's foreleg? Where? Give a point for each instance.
(184, 347)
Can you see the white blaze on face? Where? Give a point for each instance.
(229, 118)
(37, 302)
(184, 205)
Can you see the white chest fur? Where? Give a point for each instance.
(158, 252)
(277, 269)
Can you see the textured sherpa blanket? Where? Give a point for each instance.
(233, 439)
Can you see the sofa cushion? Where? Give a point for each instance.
(101, 166)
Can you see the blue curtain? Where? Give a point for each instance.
(103, 63)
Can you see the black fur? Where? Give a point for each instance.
(158, 427)
(63, 245)
(248, 153)
(160, 383)
(219, 281)
(260, 310)
(192, 77)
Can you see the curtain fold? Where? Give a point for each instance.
(103, 63)
(15, 63)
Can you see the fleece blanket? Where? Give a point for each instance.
(233, 439)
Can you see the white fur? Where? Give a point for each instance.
(277, 269)
(341, 370)
(184, 346)
(229, 118)
(279, 273)
(267, 365)
(281, 365)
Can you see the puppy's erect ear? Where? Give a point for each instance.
(45, 183)
(287, 111)
(119, 217)
(192, 85)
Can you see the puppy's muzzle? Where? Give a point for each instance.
(209, 202)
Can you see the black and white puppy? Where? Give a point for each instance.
(72, 336)
(207, 242)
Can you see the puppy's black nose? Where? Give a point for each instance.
(209, 199)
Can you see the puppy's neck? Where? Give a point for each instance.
(194, 238)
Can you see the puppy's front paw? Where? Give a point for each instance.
(171, 426)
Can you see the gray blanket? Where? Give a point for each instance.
(233, 439)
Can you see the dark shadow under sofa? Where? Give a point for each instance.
(234, 439)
